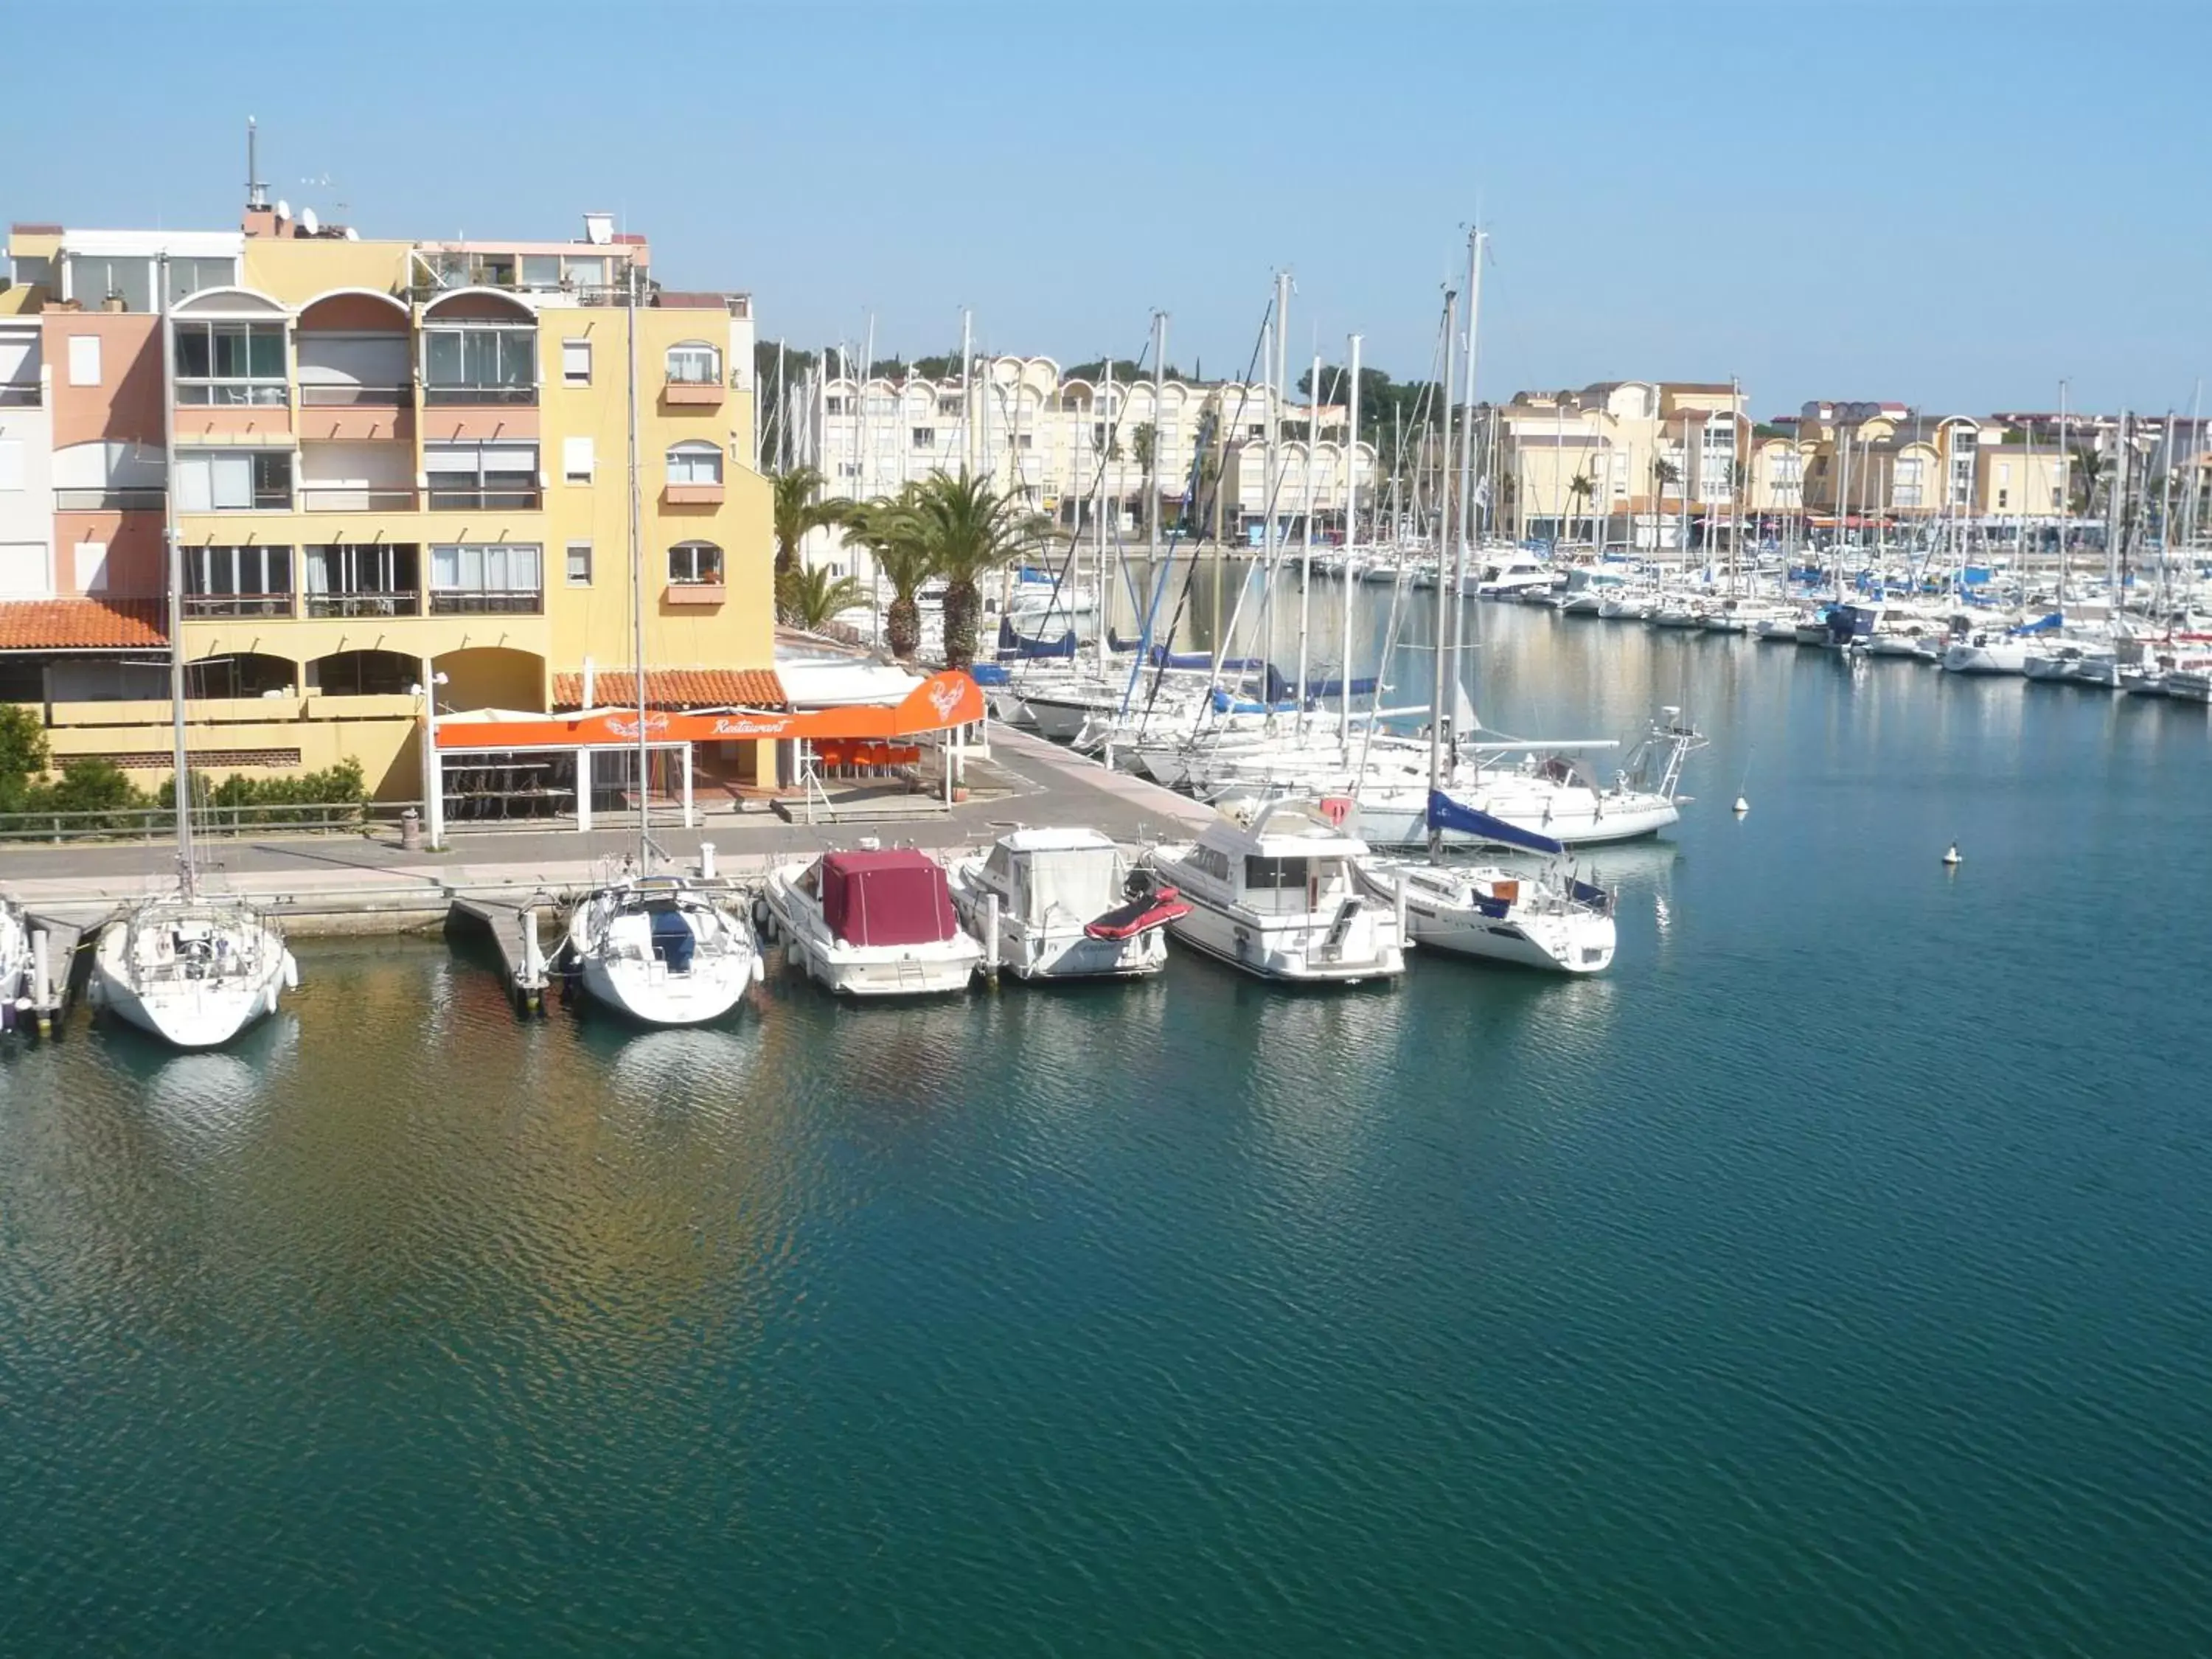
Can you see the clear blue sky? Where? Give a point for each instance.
(1953, 203)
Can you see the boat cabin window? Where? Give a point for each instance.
(1211, 860)
(1000, 863)
(1262, 874)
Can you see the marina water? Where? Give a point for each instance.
(1830, 1277)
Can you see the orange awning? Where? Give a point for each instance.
(938, 704)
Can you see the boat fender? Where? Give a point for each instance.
(759, 968)
(291, 977)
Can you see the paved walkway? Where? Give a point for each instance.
(1038, 783)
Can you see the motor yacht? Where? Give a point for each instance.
(1277, 894)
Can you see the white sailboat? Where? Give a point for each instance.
(193, 969)
(664, 950)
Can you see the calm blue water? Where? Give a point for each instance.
(1835, 1276)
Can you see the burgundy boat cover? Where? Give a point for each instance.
(897, 897)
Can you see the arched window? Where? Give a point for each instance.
(364, 674)
(694, 362)
(242, 674)
(695, 462)
(695, 564)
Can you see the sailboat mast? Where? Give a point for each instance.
(637, 590)
(187, 875)
(1351, 540)
(1444, 598)
(1305, 549)
(1466, 468)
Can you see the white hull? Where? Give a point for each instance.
(16, 967)
(612, 945)
(1293, 949)
(1578, 817)
(1031, 952)
(1557, 939)
(1994, 657)
(138, 977)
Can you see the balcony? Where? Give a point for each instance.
(358, 498)
(366, 603)
(486, 602)
(337, 395)
(696, 593)
(691, 494)
(232, 394)
(202, 607)
(702, 392)
(137, 500)
(480, 397)
(485, 498)
(23, 394)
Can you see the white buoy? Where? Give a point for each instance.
(1951, 855)
(1742, 807)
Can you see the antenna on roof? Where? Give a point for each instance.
(257, 193)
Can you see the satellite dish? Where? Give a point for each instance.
(351, 234)
(283, 209)
(308, 222)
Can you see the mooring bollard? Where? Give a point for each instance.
(530, 983)
(44, 1002)
(706, 860)
(410, 831)
(991, 938)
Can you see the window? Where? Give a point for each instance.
(580, 564)
(84, 360)
(1026, 440)
(838, 406)
(188, 276)
(925, 437)
(694, 362)
(93, 279)
(480, 365)
(238, 581)
(692, 564)
(849, 469)
(230, 363)
(695, 464)
(541, 270)
(2004, 499)
(361, 579)
(576, 460)
(466, 475)
(91, 565)
(1268, 874)
(950, 408)
(234, 482)
(584, 273)
(472, 577)
(1212, 860)
(575, 362)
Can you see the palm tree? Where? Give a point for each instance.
(815, 595)
(891, 530)
(970, 530)
(1581, 488)
(796, 513)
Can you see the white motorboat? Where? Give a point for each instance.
(2189, 684)
(193, 971)
(871, 924)
(664, 950)
(1628, 604)
(1589, 587)
(1508, 576)
(1780, 629)
(1279, 896)
(1532, 919)
(16, 975)
(1678, 609)
(1064, 904)
(1986, 650)
(2052, 662)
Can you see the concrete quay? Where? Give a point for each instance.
(370, 884)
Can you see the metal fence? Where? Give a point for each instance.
(155, 824)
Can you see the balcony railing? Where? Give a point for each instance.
(479, 395)
(358, 498)
(486, 602)
(334, 395)
(21, 395)
(201, 606)
(365, 604)
(479, 497)
(139, 500)
(233, 394)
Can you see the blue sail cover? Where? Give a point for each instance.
(2049, 625)
(1225, 704)
(1445, 813)
(989, 673)
(1012, 644)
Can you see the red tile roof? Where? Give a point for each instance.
(82, 625)
(676, 688)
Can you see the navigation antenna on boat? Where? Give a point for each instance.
(637, 587)
(182, 789)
